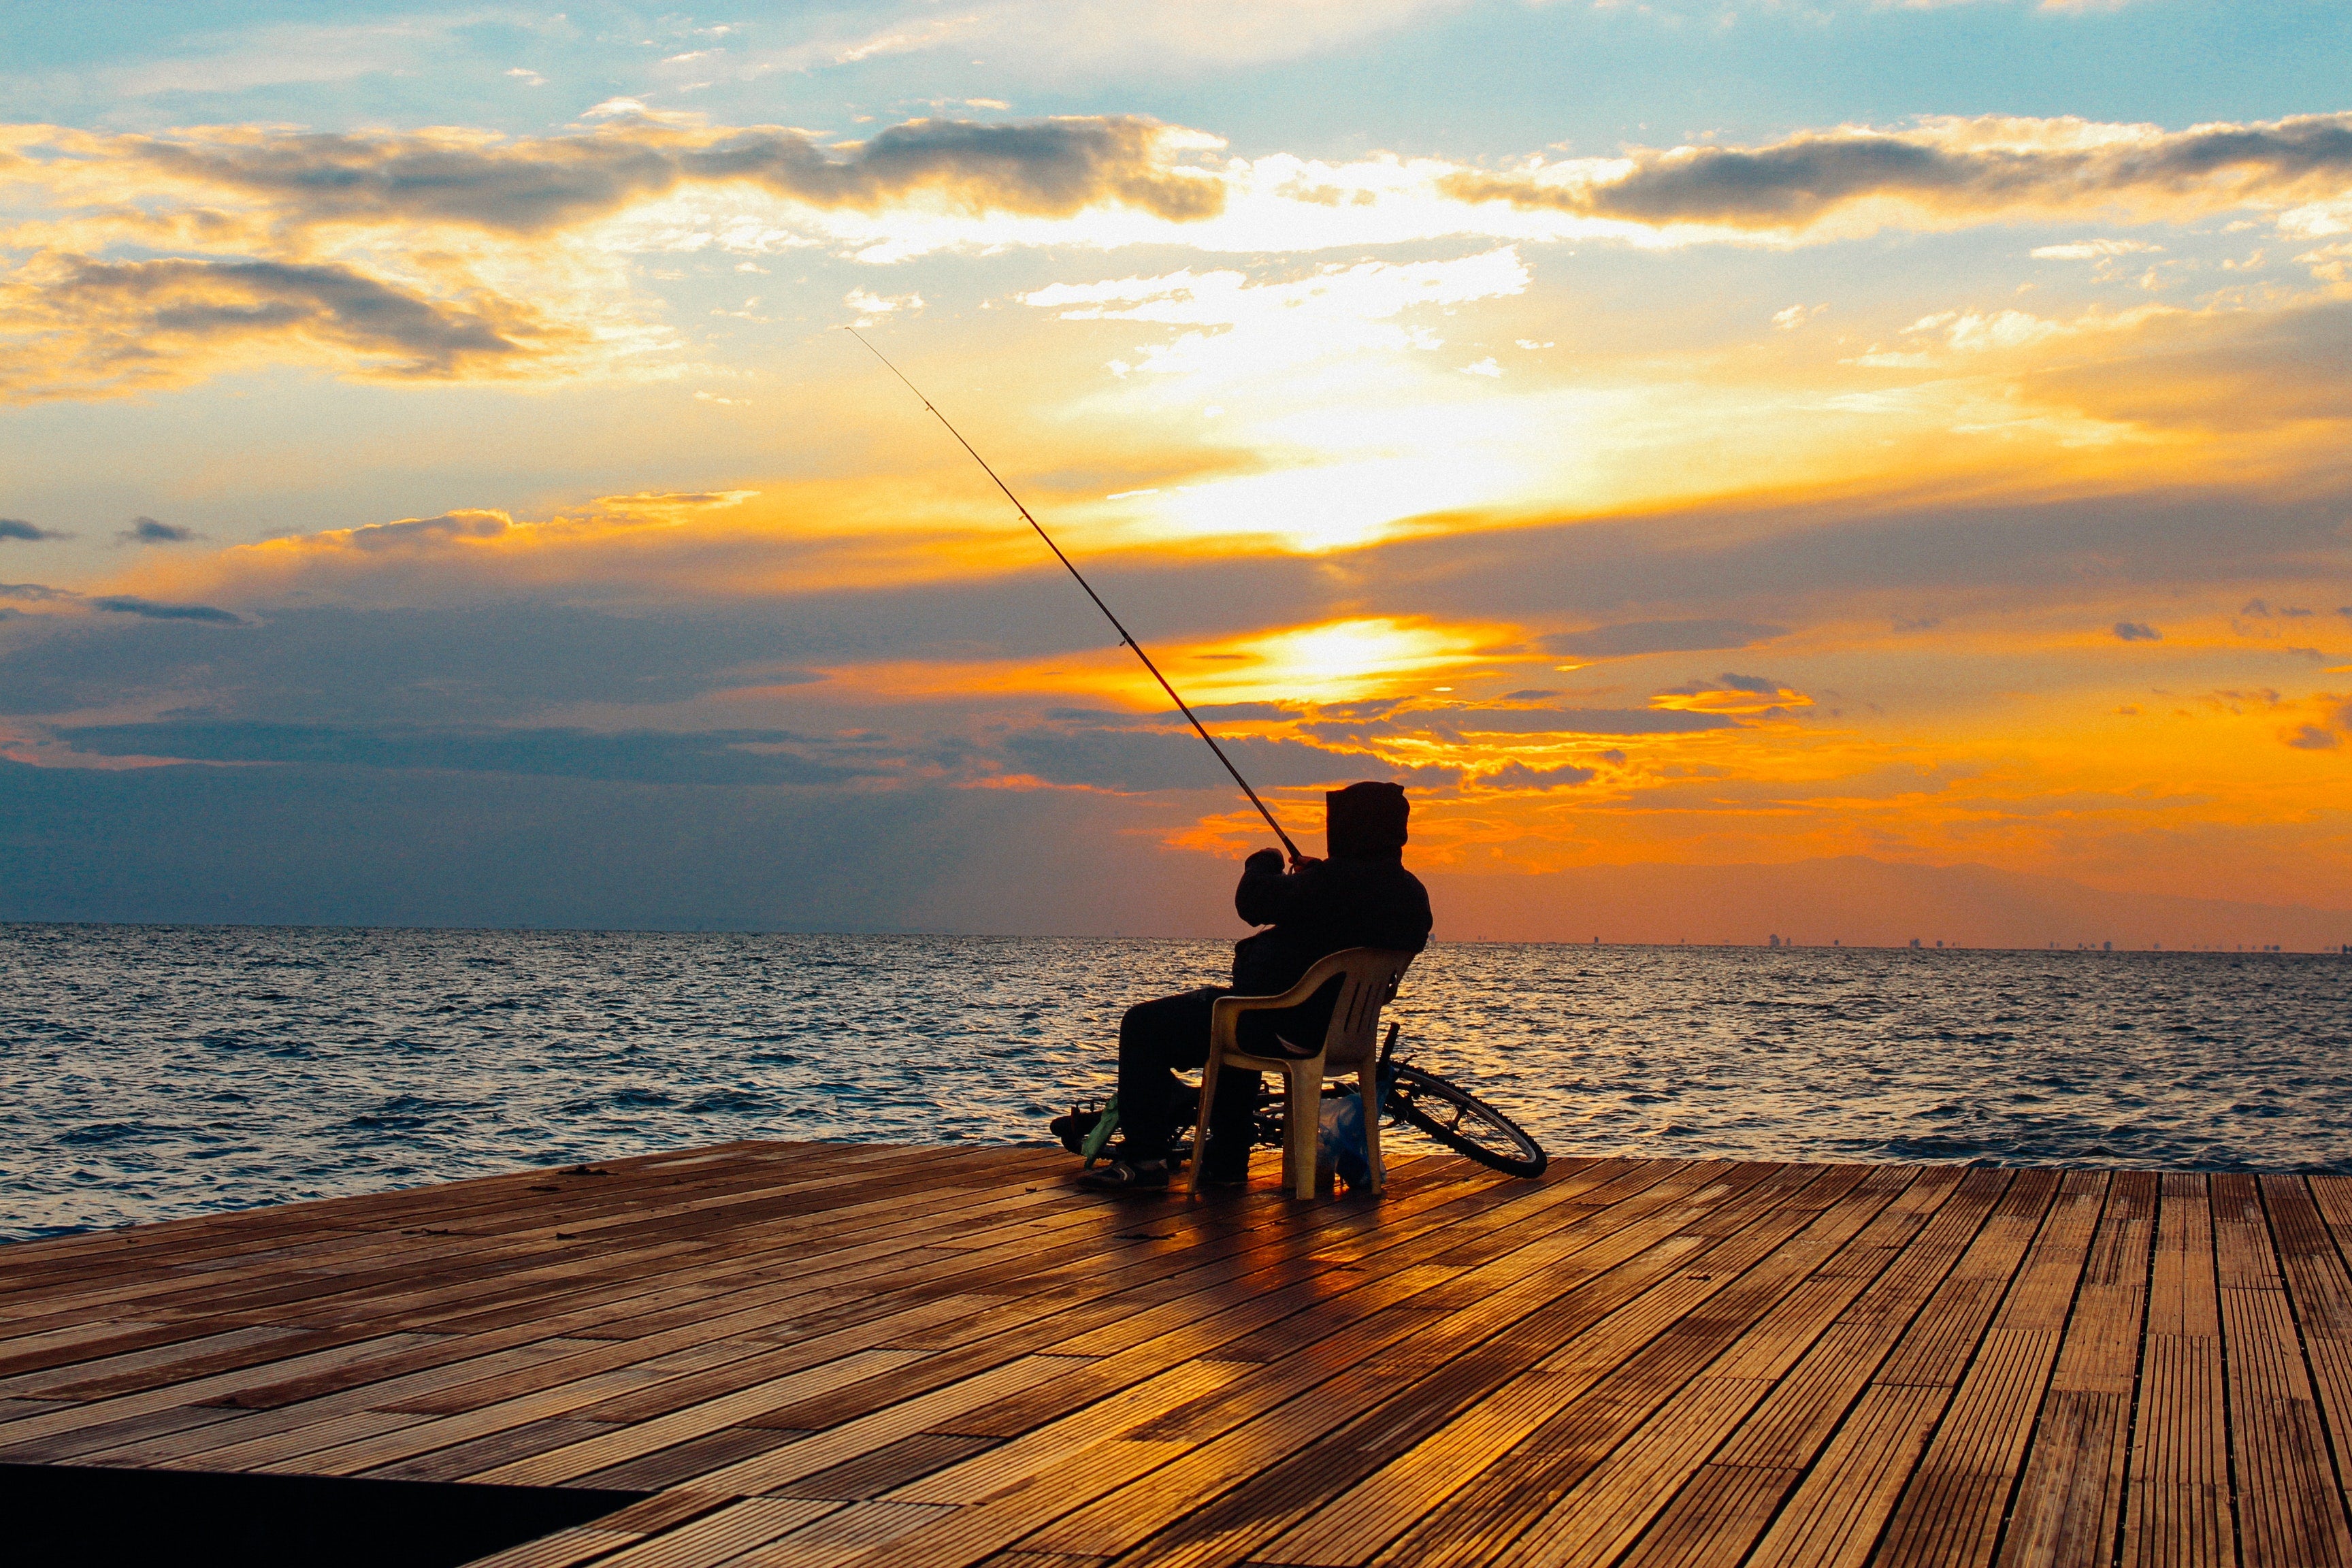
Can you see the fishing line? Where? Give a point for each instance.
(1124, 635)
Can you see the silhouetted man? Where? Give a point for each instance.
(1361, 896)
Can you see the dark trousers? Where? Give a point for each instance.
(1154, 1039)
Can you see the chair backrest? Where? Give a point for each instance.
(1372, 976)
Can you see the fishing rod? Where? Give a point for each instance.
(1124, 634)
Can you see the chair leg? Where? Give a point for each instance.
(1305, 1123)
(1367, 1092)
(1200, 1122)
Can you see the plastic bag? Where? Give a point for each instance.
(1340, 1147)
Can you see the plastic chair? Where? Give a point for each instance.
(1349, 1046)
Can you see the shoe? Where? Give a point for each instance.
(1224, 1173)
(1125, 1176)
(1225, 1161)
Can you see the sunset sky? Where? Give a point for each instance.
(1744, 466)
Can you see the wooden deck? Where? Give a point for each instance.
(826, 1354)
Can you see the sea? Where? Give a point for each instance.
(148, 1073)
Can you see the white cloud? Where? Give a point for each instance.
(870, 307)
(1266, 326)
(1484, 367)
(1065, 40)
(1949, 333)
(1970, 332)
(2092, 250)
(2317, 220)
(274, 56)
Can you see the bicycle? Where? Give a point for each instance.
(1409, 1093)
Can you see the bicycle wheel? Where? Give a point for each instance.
(1463, 1123)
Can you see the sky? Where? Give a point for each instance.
(1845, 470)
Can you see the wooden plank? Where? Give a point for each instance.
(612, 1448)
(2178, 1511)
(243, 1251)
(492, 1274)
(600, 1538)
(769, 1467)
(1760, 1323)
(121, 1433)
(826, 1541)
(2320, 1291)
(394, 1307)
(2289, 1507)
(1161, 1296)
(1298, 1457)
(908, 1358)
(199, 1446)
(1847, 1497)
(1880, 1285)
(892, 1466)
(479, 1442)
(179, 1356)
(1715, 1519)
(805, 1457)
(463, 1459)
(1834, 1518)
(1234, 1439)
(1654, 1414)
(720, 1536)
(1951, 1512)
(74, 1417)
(2069, 1510)
(1058, 1441)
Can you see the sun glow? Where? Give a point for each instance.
(1336, 660)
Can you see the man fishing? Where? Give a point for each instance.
(1359, 896)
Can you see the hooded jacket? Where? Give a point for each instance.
(1364, 899)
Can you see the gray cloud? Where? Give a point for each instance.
(147, 530)
(1518, 775)
(147, 609)
(704, 757)
(488, 663)
(1565, 721)
(127, 323)
(1629, 638)
(1755, 685)
(1046, 167)
(498, 661)
(1809, 176)
(34, 592)
(306, 844)
(1139, 762)
(2136, 631)
(17, 528)
(1807, 561)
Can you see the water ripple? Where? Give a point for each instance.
(147, 1072)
